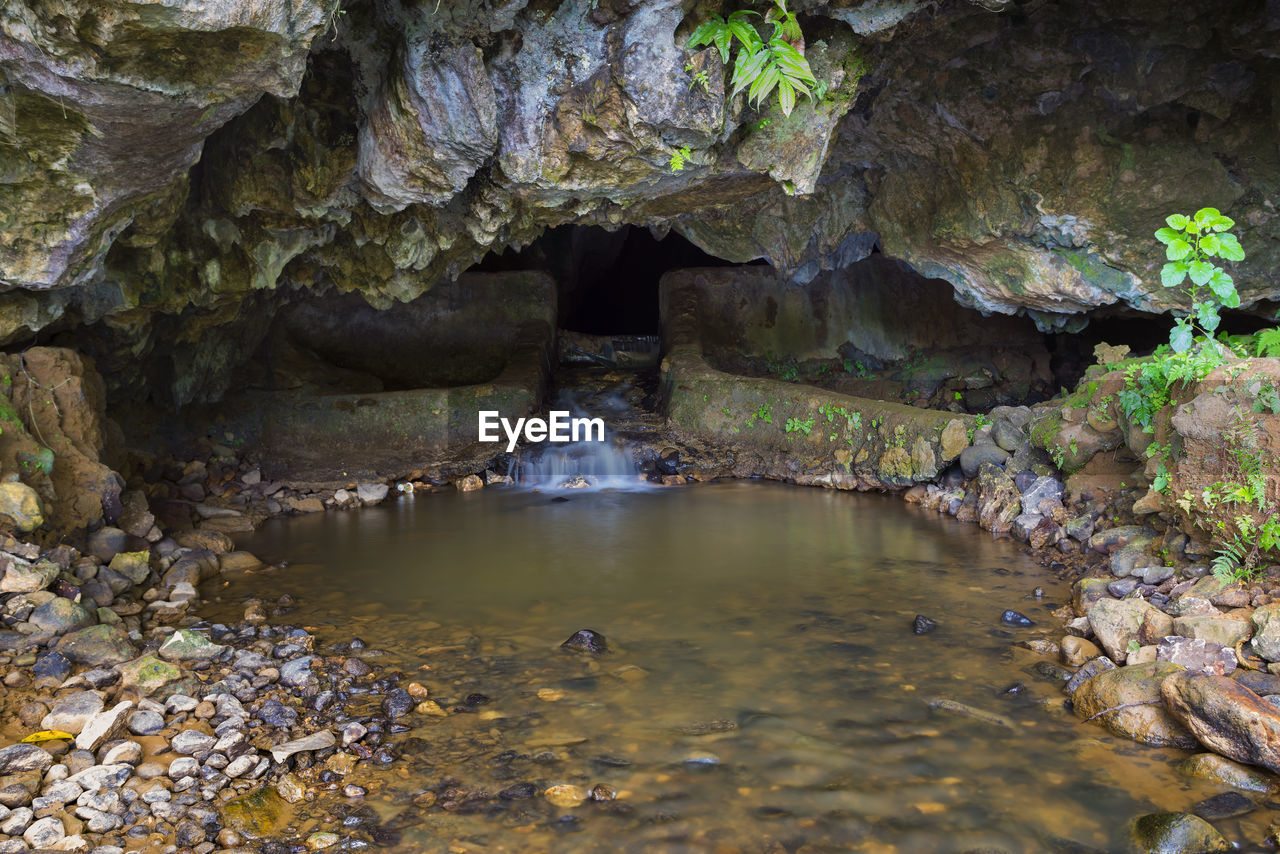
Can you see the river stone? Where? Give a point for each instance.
(191, 741)
(1092, 668)
(45, 833)
(18, 758)
(972, 458)
(297, 673)
(105, 543)
(1219, 769)
(1192, 606)
(316, 741)
(153, 677)
(1225, 805)
(52, 666)
(60, 615)
(565, 795)
(237, 563)
(1076, 651)
(1126, 561)
(1043, 496)
(135, 566)
(99, 777)
(1266, 636)
(70, 712)
(97, 646)
(1007, 435)
(1177, 833)
(23, 577)
(186, 645)
(1226, 717)
(1110, 539)
(1127, 702)
(1086, 592)
(1221, 630)
(1258, 683)
(922, 625)
(371, 493)
(1198, 656)
(586, 640)
(1116, 623)
(998, 500)
(21, 504)
(257, 813)
(104, 726)
(145, 722)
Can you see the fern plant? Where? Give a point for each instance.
(761, 66)
(1267, 343)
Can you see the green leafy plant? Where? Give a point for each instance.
(1267, 343)
(1190, 245)
(679, 157)
(1266, 398)
(798, 425)
(698, 78)
(761, 66)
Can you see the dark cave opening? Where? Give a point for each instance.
(607, 280)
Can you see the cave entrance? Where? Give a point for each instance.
(607, 280)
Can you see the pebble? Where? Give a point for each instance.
(922, 625)
(191, 741)
(145, 722)
(1016, 619)
(565, 795)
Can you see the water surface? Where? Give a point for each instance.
(764, 690)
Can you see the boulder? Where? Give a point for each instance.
(70, 712)
(1219, 769)
(1266, 635)
(972, 458)
(1127, 702)
(153, 677)
(1116, 624)
(1177, 833)
(1197, 655)
(97, 646)
(59, 616)
(20, 506)
(1226, 717)
(999, 502)
(1224, 631)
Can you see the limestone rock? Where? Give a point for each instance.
(104, 726)
(1226, 717)
(20, 504)
(1127, 701)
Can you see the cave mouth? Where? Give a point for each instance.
(607, 280)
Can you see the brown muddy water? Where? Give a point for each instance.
(764, 691)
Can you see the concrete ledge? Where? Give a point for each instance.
(834, 439)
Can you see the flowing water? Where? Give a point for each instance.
(764, 691)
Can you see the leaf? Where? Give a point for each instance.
(1206, 217)
(1210, 245)
(1207, 316)
(791, 61)
(1201, 272)
(1267, 343)
(1168, 235)
(1222, 223)
(1224, 288)
(764, 84)
(1177, 250)
(1229, 247)
(745, 33)
(786, 96)
(48, 735)
(1173, 273)
(1180, 337)
(1178, 221)
(706, 33)
(746, 70)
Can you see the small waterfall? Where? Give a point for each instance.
(609, 464)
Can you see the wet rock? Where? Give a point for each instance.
(1111, 539)
(922, 625)
(518, 792)
(96, 646)
(235, 564)
(145, 722)
(70, 712)
(191, 741)
(297, 673)
(586, 640)
(316, 741)
(470, 483)
(99, 777)
(1016, 620)
(998, 501)
(59, 616)
(1219, 769)
(1127, 702)
(20, 504)
(186, 645)
(1116, 624)
(565, 795)
(107, 542)
(1086, 592)
(1077, 651)
(1198, 656)
(1258, 683)
(1043, 496)
(135, 566)
(1122, 587)
(1225, 805)
(104, 726)
(398, 703)
(1177, 833)
(1156, 574)
(18, 758)
(1226, 717)
(1092, 668)
(371, 493)
(45, 833)
(23, 577)
(1220, 630)
(257, 813)
(1266, 637)
(152, 677)
(972, 458)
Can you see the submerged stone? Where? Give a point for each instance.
(1177, 833)
(586, 640)
(922, 625)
